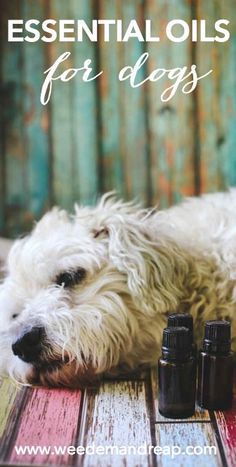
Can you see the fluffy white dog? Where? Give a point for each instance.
(90, 293)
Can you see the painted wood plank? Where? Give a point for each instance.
(227, 427)
(2, 158)
(217, 100)
(226, 141)
(208, 103)
(74, 108)
(13, 133)
(8, 393)
(12, 398)
(61, 126)
(133, 143)
(49, 419)
(84, 111)
(123, 117)
(185, 435)
(226, 422)
(116, 415)
(36, 117)
(171, 130)
(110, 104)
(199, 416)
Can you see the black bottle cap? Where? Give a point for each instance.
(217, 336)
(182, 319)
(176, 342)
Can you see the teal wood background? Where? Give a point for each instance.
(104, 135)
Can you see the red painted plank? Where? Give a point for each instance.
(226, 422)
(50, 419)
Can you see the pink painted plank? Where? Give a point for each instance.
(226, 422)
(50, 419)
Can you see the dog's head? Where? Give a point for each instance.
(81, 294)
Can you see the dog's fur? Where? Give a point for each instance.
(140, 265)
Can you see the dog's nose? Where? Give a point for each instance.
(29, 346)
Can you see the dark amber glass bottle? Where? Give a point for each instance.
(215, 371)
(177, 374)
(186, 320)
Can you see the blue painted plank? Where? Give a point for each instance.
(226, 92)
(171, 123)
(61, 125)
(110, 103)
(217, 100)
(133, 142)
(36, 117)
(84, 113)
(13, 126)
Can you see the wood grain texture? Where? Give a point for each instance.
(226, 141)
(226, 422)
(116, 415)
(61, 116)
(112, 164)
(36, 119)
(133, 143)
(199, 416)
(8, 393)
(12, 124)
(188, 436)
(12, 401)
(217, 99)
(104, 135)
(123, 110)
(49, 419)
(84, 114)
(2, 161)
(171, 131)
(74, 116)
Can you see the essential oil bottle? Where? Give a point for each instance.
(215, 371)
(177, 374)
(186, 320)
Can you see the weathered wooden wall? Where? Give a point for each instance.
(104, 135)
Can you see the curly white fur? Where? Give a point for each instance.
(140, 266)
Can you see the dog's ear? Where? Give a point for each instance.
(52, 218)
(149, 265)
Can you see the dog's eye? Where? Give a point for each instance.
(70, 278)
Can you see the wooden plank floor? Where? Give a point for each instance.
(111, 416)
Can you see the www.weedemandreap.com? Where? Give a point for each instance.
(142, 450)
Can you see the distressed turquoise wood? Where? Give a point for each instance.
(170, 123)
(2, 175)
(36, 119)
(226, 142)
(110, 101)
(217, 101)
(61, 116)
(84, 115)
(13, 137)
(208, 100)
(133, 144)
(104, 135)
(123, 111)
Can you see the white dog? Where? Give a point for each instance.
(89, 294)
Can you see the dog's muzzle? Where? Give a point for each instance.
(28, 347)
